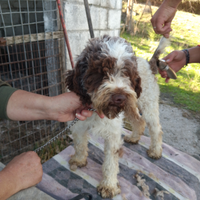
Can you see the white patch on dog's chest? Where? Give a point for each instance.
(104, 127)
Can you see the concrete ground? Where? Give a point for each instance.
(181, 128)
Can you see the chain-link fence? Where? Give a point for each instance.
(32, 58)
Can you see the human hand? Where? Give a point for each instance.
(24, 171)
(67, 106)
(161, 20)
(176, 60)
(24, 106)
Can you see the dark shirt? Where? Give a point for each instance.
(5, 92)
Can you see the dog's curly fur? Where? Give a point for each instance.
(109, 76)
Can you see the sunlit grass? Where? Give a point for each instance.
(186, 30)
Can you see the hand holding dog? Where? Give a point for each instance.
(25, 170)
(67, 106)
(24, 106)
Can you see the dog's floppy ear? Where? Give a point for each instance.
(69, 80)
(136, 82)
(74, 82)
(130, 71)
(138, 88)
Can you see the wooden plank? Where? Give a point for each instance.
(33, 37)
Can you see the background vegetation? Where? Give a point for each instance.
(184, 91)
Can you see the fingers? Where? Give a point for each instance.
(166, 35)
(165, 31)
(167, 79)
(161, 27)
(84, 114)
(101, 115)
(164, 75)
(170, 57)
(80, 117)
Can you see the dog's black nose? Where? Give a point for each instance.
(118, 99)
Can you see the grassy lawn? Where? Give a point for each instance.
(185, 91)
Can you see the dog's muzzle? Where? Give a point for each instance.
(118, 99)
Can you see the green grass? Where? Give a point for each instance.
(185, 91)
(54, 148)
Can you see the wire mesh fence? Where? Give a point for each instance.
(32, 58)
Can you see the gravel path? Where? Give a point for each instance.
(181, 129)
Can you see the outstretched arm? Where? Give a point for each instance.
(177, 59)
(23, 106)
(161, 20)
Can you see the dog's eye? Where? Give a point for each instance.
(105, 78)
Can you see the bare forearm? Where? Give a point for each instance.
(7, 188)
(24, 106)
(194, 54)
(172, 3)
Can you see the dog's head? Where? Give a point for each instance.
(106, 75)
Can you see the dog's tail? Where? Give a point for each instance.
(164, 42)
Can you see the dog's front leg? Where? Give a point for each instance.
(150, 113)
(138, 127)
(155, 149)
(79, 159)
(137, 122)
(155, 131)
(109, 186)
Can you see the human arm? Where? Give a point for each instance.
(24, 106)
(24, 171)
(177, 59)
(161, 20)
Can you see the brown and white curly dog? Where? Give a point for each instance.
(118, 84)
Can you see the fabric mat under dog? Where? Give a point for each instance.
(175, 175)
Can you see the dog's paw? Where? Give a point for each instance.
(74, 163)
(154, 154)
(131, 140)
(107, 191)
